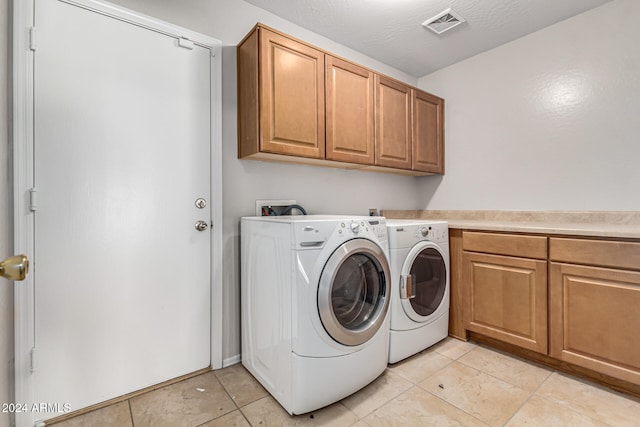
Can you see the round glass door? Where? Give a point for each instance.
(353, 293)
(429, 276)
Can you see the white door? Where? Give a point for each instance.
(121, 153)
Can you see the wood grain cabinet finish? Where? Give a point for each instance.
(393, 123)
(506, 299)
(428, 133)
(505, 287)
(595, 318)
(588, 289)
(349, 112)
(594, 305)
(300, 104)
(281, 91)
(518, 245)
(456, 282)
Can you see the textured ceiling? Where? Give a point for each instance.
(391, 31)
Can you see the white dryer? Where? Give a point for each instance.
(315, 294)
(419, 260)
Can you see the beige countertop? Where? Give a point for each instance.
(573, 223)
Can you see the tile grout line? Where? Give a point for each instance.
(520, 407)
(531, 393)
(133, 422)
(452, 405)
(238, 407)
(228, 395)
(564, 405)
(491, 376)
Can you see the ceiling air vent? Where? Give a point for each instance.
(443, 21)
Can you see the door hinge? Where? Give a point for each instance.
(33, 200)
(33, 359)
(185, 43)
(32, 39)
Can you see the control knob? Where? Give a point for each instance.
(355, 227)
(424, 231)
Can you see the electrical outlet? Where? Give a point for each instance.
(373, 212)
(277, 205)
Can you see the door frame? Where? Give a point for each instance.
(23, 177)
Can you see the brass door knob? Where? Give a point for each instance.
(15, 267)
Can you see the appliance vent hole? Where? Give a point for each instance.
(444, 21)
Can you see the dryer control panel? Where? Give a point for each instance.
(405, 233)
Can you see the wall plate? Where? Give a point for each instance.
(273, 203)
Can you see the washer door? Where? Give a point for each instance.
(353, 293)
(426, 266)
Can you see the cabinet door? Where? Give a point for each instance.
(393, 123)
(428, 133)
(594, 319)
(506, 299)
(291, 97)
(349, 112)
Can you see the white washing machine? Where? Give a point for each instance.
(419, 260)
(315, 294)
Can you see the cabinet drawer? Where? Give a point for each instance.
(505, 244)
(595, 252)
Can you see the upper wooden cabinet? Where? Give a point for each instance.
(349, 112)
(428, 133)
(297, 103)
(281, 91)
(393, 123)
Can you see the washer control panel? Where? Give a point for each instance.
(316, 234)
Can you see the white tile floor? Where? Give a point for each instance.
(454, 383)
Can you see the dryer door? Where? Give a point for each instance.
(353, 293)
(426, 269)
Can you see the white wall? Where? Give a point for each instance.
(6, 292)
(550, 121)
(319, 190)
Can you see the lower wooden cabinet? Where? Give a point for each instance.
(573, 301)
(506, 299)
(594, 316)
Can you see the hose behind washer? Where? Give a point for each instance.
(291, 207)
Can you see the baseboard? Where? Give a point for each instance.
(231, 360)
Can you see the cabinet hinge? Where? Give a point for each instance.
(32, 39)
(33, 359)
(185, 43)
(33, 200)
